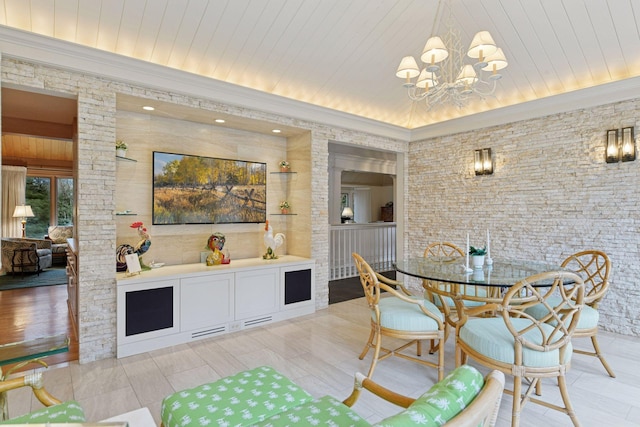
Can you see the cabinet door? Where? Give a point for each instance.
(257, 292)
(147, 310)
(297, 286)
(206, 301)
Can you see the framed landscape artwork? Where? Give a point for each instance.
(191, 189)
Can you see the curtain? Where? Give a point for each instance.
(14, 183)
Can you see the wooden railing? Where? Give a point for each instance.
(375, 242)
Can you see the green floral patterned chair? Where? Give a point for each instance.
(264, 397)
(65, 412)
(54, 411)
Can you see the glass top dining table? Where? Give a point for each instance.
(501, 273)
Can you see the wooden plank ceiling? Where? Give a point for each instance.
(37, 130)
(343, 54)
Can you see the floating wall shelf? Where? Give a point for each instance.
(126, 159)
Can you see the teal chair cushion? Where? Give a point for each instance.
(66, 412)
(490, 337)
(465, 302)
(589, 316)
(442, 402)
(325, 411)
(404, 316)
(239, 400)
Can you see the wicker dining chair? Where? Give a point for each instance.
(594, 267)
(521, 345)
(443, 249)
(440, 249)
(401, 315)
(444, 303)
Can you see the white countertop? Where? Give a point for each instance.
(185, 270)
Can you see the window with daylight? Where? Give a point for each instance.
(51, 199)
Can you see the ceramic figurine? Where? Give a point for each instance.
(271, 242)
(140, 248)
(216, 243)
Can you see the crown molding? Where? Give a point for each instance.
(37, 48)
(594, 96)
(65, 55)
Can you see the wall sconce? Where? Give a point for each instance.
(625, 151)
(628, 147)
(483, 162)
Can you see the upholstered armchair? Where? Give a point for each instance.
(58, 234)
(264, 397)
(25, 255)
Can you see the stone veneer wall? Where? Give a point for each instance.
(95, 194)
(551, 194)
(96, 223)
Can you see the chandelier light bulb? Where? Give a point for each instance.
(408, 69)
(427, 79)
(467, 75)
(496, 62)
(434, 51)
(482, 46)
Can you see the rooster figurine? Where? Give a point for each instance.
(143, 245)
(271, 242)
(140, 248)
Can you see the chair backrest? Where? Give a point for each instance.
(368, 280)
(483, 410)
(442, 400)
(554, 330)
(594, 267)
(443, 249)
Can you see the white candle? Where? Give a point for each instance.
(467, 252)
(488, 245)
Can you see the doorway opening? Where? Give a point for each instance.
(39, 137)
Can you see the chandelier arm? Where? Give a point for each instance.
(492, 88)
(413, 94)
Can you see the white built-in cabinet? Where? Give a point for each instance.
(256, 293)
(182, 303)
(205, 301)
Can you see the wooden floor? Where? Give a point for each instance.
(320, 353)
(35, 313)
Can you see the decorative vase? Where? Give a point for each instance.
(284, 168)
(121, 152)
(477, 261)
(284, 211)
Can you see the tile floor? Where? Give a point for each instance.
(320, 352)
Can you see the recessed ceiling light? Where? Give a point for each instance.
(276, 131)
(219, 121)
(148, 108)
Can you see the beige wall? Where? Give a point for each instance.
(182, 244)
(551, 194)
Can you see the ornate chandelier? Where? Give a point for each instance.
(447, 78)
